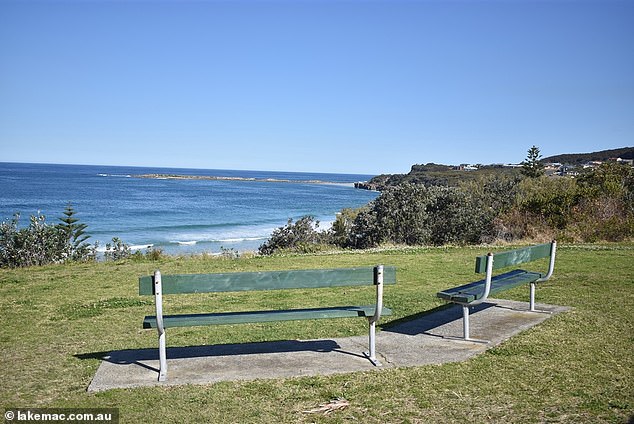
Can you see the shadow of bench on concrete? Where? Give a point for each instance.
(425, 322)
(139, 356)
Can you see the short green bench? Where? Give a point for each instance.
(475, 293)
(158, 285)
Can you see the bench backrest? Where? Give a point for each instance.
(514, 257)
(265, 280)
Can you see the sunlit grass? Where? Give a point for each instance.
(575, 367)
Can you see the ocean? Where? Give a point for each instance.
(218, 209)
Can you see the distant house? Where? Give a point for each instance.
(625, 161)
(465, 167)
(591, 164)
(553, 165)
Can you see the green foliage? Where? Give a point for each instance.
(414, 214)
(443, 175)
(117, 250)
(154, 254)
(549, 198)
(605, 206)
(37, 244)
(496, 193)
(342, 227)
(599, 205)
(610, 179)
(531, 166)
(41, 243)
(597, 219)
(78, 249)
(301, 236)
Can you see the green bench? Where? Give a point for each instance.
(475, 293)
(159, 285)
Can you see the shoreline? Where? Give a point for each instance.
(246, 179)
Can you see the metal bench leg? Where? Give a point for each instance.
(371, 355)
(465, 321)
(532, 300)
(162, 357)
(465, 326)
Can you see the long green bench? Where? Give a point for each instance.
(475, 293)
(159, 285)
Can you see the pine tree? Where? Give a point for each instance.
(531, 166)
(78, 248)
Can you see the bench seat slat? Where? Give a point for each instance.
(473, 291)
(262, 316)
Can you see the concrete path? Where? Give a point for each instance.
(430, 338)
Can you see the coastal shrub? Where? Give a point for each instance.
(603, 218)
(153, 254)
(41, 243)
(229, 253)
(610, 179)
(456, 217)
(117, 250)
(37, 244)
(398, 216)
(597, 206)
(414, 214)
(301, 236)
(515, 225)
(497, 194)
(549, 198)
(342, 227)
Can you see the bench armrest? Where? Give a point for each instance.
(551, 265)
(487, 284)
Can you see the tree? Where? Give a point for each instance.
(77, 247)
(531, 166)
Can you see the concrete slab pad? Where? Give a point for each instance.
(429, 338)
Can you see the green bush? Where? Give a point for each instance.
(516, 224)
(41, 243)
(339, 233)
(604, 218)
(414, 214)
(117, 250)
(301, 236)
(549, 198)
(37, 244)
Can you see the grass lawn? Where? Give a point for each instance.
(575, 367)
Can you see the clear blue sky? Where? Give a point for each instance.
(330, 86)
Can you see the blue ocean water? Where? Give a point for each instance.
(178, 216)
